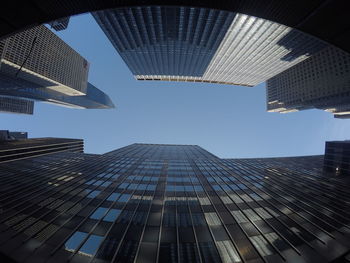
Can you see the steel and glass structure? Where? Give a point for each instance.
(17, 148)
(60, 24)
(337, 157)
(172, 203)
(37, 65)
(321, 82)
(6, 135)
(16, 105)
(181, 43)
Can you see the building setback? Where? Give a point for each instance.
(203, 45)
(38, 65)
(172, 203)
(321, 82)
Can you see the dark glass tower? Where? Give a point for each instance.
(15, 149)
(172, 203)
(337, 157)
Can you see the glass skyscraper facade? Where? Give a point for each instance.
(16, 148)
(16, 105)
(337, 157)
(172, 203)
(203, 45)
(321, 82)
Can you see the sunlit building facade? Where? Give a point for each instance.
(203, 45)
(172, 203)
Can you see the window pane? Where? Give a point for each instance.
(112, 215)
(94, 194)
(98, 182)
(212, 219)
(227, 252)
(124, 198)
(262, 245)
(74, 241)
(99, 213)
(91, 245)
(107, 183)
(113, 197)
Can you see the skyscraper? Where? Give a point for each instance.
(321, 81)
(37, 64)
(16, 149)
(6, 135)
(60, 24)
(337, 157)
(16, 105)
(172, 203)
(203, 45)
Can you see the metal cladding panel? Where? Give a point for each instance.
(204, 45)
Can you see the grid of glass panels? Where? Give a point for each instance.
(194, 208)
(180, 43)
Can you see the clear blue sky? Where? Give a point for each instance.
(229, 121)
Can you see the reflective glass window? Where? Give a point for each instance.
(105, 184)
(113, 197)
(93, 194)
(112, 215)
(74, 241)
(262, 245)
(99, 213)
(124, 198)
(227, 251)
(151, 187)
(212, 219)
(91, 245)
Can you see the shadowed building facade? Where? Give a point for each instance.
(321, 82)
(172, 203)
(337, 157)
(17, 148)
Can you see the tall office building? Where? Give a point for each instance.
(60, 24)
(322, 82)
(337, 157)
(16, 149)
(16, 105)
(172, 203)
(6, 135)
(37, 64)
(203, 45)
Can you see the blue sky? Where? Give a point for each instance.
(229, 121)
